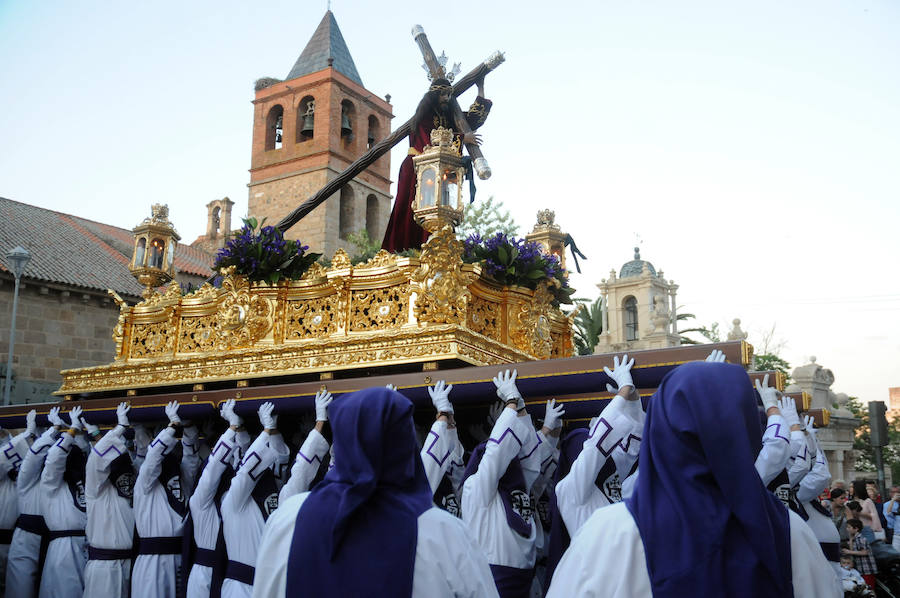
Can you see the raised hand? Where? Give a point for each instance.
(266, 418)
(494, 413)
(621, 372)
(553, 415)
(789, 411)
(440, 396)
(172, 413)
(229, 415)
(75, 418)
(390, 386)
(768, 394)
(31, 422)
(715, 357)
(122, 414)
(506, 388)
(91, 429)
(809, 422)
(55, 419)
(323, 400)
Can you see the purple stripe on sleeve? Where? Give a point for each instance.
(439, 461)
(103, 454)
(777, 433)
(531, 452)
(225, 456)
(252, 466)
(502, 436)
(603, 437)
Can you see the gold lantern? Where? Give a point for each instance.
(155, 239)
(439, 176)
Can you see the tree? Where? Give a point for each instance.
(765, 362)
(364, 248)
(486, 218)
(865, 460)
(711, 334)
(588, 325)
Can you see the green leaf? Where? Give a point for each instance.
(535, 274)
(502, 255)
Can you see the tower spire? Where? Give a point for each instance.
(326, 42)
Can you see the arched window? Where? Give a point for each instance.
(345, 217)
(631, 319)
(373, 136)
(348, 116)
(139, 252)
(372, 217)
(155, 258)
(306, 119)
(274, 124)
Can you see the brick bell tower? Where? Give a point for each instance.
(306, 130)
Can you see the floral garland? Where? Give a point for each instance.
(262, 254)
(517, 262)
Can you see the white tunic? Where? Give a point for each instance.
(441, 451)
(242, 520)
(12, 454)
(158, 575)
(482, 507)
(776, 449)
(616, 436)
(606, 558)
(110, 520)
(306, 465)
(798, 464)
(63, 574)
(204, 513)
(448, 564)
(22, 568)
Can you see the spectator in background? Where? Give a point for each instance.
(869, 512)
(872, 490)
(891, 510)
(839, 511)
(861, 553)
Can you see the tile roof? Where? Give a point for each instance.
(327, 42)
(74, 251)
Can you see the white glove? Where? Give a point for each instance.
(621, 372)
(768, 394)
(390, 387)
(715, 357)
(809, 423)
(440, 396)
(553, 415)
(229, 415)
(506, 388)
(789, 411)
(172, 412)
(266, 418)
(55, 419)
(74, 417)
(122, 414)
(323, 400)
(91, 429)
(31, 422)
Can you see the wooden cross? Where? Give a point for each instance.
(381, 148)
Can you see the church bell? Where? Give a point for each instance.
(307, 129)
(278, 128)
(346, 129)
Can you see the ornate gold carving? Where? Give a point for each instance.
(151, 340)
(485, 317)
(316, 270)
(206, 292)
(197, 334)
(442, 285)
(382, 259)
(340, 261)
(379, 309)
(310, 318)
(243, 317)
(532, 330)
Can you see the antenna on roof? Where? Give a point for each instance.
(329, 5)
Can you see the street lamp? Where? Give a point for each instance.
(19, 258)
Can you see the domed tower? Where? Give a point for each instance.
(638, 308)
(306, 130)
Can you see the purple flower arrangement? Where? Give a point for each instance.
(262, 254)
(517, 262)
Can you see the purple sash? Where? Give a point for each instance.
(512, 582)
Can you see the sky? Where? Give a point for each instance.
(751, 148)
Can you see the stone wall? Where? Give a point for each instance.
(56, 329)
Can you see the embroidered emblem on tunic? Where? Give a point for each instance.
(521, 504)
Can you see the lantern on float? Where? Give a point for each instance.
(155, 240)
(439, 175)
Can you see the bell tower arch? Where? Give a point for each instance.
(324, 119)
